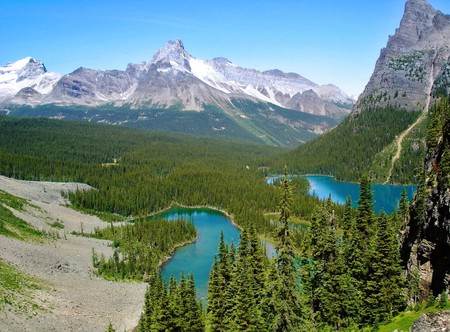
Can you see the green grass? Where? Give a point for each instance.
(405, 320)
(10, 225)
(16, 289)
(105, 216)
(16, 203)
(57, 225)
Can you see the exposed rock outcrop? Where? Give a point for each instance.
(433, 322)
(415, 62)
(426, 246)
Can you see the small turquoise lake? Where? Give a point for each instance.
(386, 196)
(198, 257)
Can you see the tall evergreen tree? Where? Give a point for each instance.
(385, 293)
(192, 317)
(290, 308)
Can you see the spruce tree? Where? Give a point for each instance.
(193, 320)
(215, 307)
(290, 309)
(385, 285)
(246, 314)
(272, 308)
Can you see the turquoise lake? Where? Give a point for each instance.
(386, 196)
(198, 257)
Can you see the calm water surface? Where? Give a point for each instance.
(198, 257)
(386, 196)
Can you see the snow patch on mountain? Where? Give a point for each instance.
(26, 73)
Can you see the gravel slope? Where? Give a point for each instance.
(75, 299)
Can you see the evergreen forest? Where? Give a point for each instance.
(337, 268)
(349, 150)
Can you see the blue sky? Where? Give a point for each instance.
(326, 41)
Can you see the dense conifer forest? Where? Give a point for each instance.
(348, 151)
(339, 271)
(138, 173)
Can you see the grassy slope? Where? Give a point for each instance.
(250, 121)
(405, 320)
(16, 289)
(10, 225)
(413, 148)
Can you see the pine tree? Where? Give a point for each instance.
(175, 305)
(271, 306)
(219, 295)
(290, 309)
(192, 313)
(330, 284)
(160, 318)
(384, 290)
(214, 315)
(246, 312)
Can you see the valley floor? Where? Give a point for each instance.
(72, 297)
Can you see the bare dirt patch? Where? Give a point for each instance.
(74, 299)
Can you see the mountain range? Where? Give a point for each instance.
(172, 77)
(270, 107)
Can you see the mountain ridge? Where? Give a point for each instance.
(175, 77)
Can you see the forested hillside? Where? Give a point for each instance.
(137, 173)
(348, 151)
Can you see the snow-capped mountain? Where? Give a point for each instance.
(289, 90)
(172, 77)
(26, 77)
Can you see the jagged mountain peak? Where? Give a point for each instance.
(173, 53)
(26, 65)
(418, 16)
(414, 64)
(25, 73)
(221, 60)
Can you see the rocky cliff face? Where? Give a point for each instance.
(92, 87)
(415, 62)
(426, 245)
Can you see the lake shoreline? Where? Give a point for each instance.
(340, 180)
(176, 204)
(167, 259)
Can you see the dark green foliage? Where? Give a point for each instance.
(140, 247)
(443, 300)
(384, 290)
(347, 151)
(232, 123)
(152, 170)
(171, 309)
(290, 314)
(237, 286)
(354, 274)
